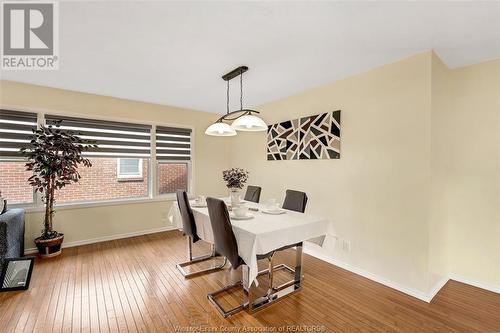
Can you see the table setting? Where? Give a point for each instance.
(258, 228)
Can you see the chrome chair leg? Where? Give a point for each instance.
(272, 294)
(218, 306)
(196, 259)
(277, 268)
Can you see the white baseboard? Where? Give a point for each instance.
(107, 238)
(437, 287)
(374, 277)
(394, 285)
(482, 285)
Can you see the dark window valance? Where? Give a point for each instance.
(16, 130)
(114, 139)
(173, 143)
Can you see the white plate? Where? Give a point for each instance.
(200, 205)
(246, 217)
(274, 212)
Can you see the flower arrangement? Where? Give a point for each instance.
(235, 178)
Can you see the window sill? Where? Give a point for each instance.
(130, 179)
(90, 204)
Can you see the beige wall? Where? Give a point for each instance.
(210, 158)
(440, 132)
(473, 173)
(416, 190)
(376, 194)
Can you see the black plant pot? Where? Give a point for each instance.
(48, 248)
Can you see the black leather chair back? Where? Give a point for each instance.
(295, 200)
(253, 193)
(188, 224)
(224, 240)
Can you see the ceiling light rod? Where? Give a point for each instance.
(243, 119)
(234, 73)
(243, 112)
(227, 77)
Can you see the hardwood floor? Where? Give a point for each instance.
(132, 285)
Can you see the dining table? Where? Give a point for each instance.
(261, 234)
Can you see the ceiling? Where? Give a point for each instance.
(174, 53)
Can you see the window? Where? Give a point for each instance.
(14, 182)
(15, 132)
(129, 168)
(101, 182)
(173, 155)
(121, 164)
(172, 177)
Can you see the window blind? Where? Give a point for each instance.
(173, 144)
(15, 131)
(114, 139)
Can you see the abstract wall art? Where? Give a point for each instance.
(308, 138)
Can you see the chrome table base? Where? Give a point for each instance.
(276, 293)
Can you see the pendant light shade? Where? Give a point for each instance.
(249, 122)
(243, 119)
(220, 129)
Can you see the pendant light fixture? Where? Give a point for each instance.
(220, 128)
(243, 119)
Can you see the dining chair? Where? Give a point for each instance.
(295, 200)
(189, 230)
(226, 245)
(253, 193)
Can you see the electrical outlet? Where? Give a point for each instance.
(164, 217)
(346, 245)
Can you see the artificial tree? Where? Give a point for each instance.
(53, 157)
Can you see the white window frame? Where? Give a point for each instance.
(153, 196)
(125, 177)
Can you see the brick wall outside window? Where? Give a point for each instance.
(172, 177)
(13, 182)
(100, 182)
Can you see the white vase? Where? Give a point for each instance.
(234, 194)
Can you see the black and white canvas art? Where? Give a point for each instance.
(307, 138)
(16, 274)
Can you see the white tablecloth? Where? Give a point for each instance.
(262, 234)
